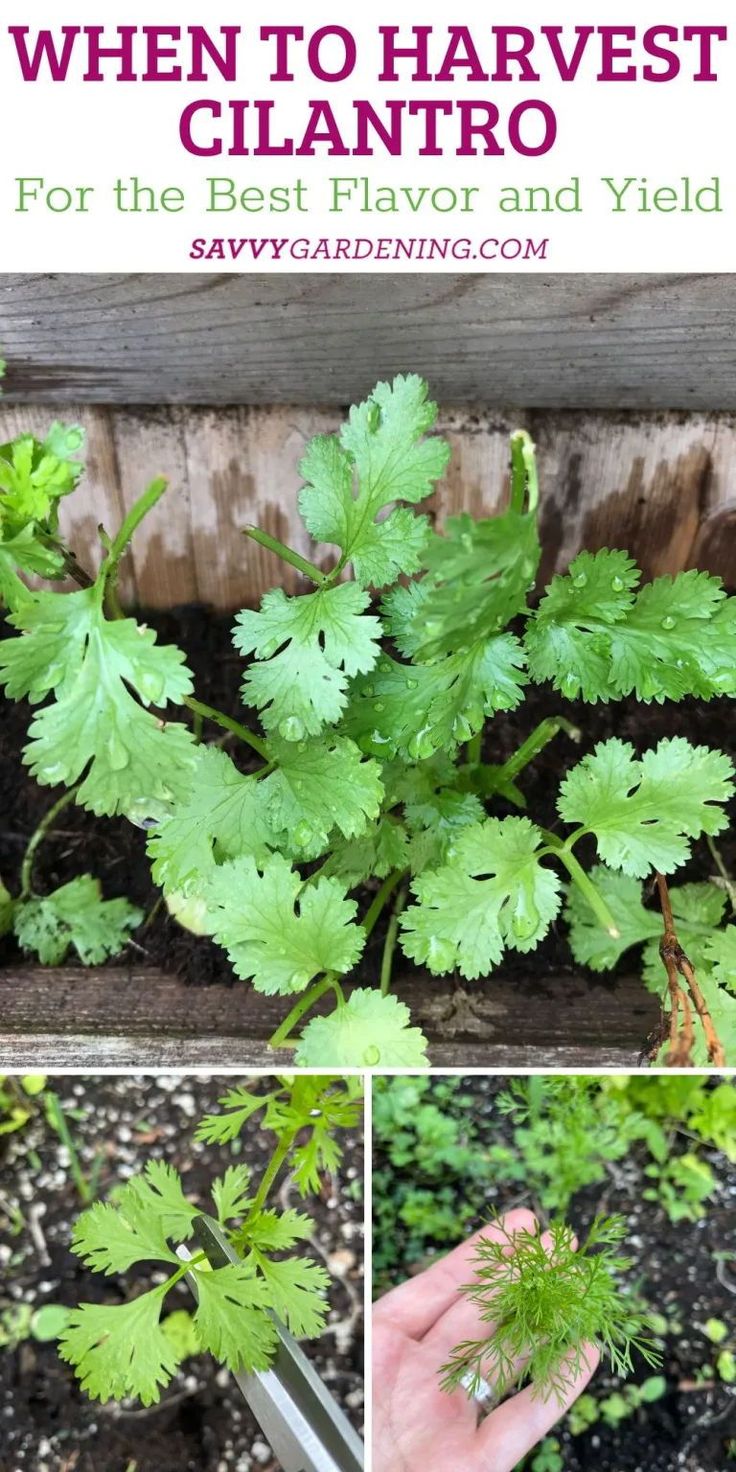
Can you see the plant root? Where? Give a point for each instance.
(677, 964)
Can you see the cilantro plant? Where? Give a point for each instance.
(370, 794)
(547, 1304)
(120, 1350)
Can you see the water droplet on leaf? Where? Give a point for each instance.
(525, 922)
(117, 753)
(291, 728)
(580, 580)
(668, 622)
(372, 1056)
(302, 834)
(617, 584)
(570, 686)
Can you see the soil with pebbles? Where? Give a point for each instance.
(202, 1423)
(692, 1428)
(115, 850)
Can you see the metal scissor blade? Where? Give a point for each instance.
(301, 1421)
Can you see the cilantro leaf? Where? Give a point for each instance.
(643, 812)
(320, 786)
(307, 649)
(110, 1237)
(75, 915)
(159, 1192)
(23, 552)
(120, 1350)
(721, 953)
(295, 1286)
(232, 1319)
(383, 848)
(380, 457)
(697, 910)
(493, 892)
(34, 474)
(595, 637)
(230, 1193)
(369, 1031)
(278, 930)
(222, 811)
(418, 709)
(239, 1104)
(95, 723)
(478, 574)
(275, 1231)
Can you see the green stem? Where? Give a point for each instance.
(281, 1036)
(138, 511)
(57, 1119)
(536, 742)
(211, 714)
(287, 554)
(26, 872)
(380, 900)
(524, 480)
(389, 944)
(584, 883)
(473, 749)
(269, 1176)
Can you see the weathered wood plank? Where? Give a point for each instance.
(132, 1016)
(659, 485)
(571, 340)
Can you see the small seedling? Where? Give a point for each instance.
(548, 1305)
(120, 1350)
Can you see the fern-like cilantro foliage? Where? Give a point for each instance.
(548, 1303)
(122, 1350)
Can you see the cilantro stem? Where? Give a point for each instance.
(473, 749)
(211, 714)
(584, 883)
(57, 1119)
(132, 521)
(287, 554)
(380, 900)
(524, 481)
(536, 742)
(281, 1036)
(26, 872)
(269, 1176)
(389, 944)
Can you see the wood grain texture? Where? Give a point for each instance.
(663, 486)
(563, 341)
(135, 1017)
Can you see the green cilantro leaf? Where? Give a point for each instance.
(478, 575)
(721, 953)
(369, 1031)
(697, 909)
(380, 457)
(120, 1350)
(239, 1105)
(35, 474)
(493, 892)
(643, 812)
(307, 649)
(320, 786)
(275, 1231)
(295, 1286)
(75, 915)
(381, 850)
(278, 930)
(95, 724)
(232, 1319)
(594, 637)
(110, 1237)
(416, 710)
(23, 552)
(222, 812)
(230, 1193)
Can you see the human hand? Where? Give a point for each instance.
(417, 1427)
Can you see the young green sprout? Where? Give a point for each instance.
(546, 1304)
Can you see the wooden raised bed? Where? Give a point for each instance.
(628, 385)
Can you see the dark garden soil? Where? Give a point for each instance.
(114, 850)
(202, 1423)
(676, 1271)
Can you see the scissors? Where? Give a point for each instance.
(303, 1424)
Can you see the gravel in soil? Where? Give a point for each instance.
(202, 1423)
(115, 851)
(677, 1273)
